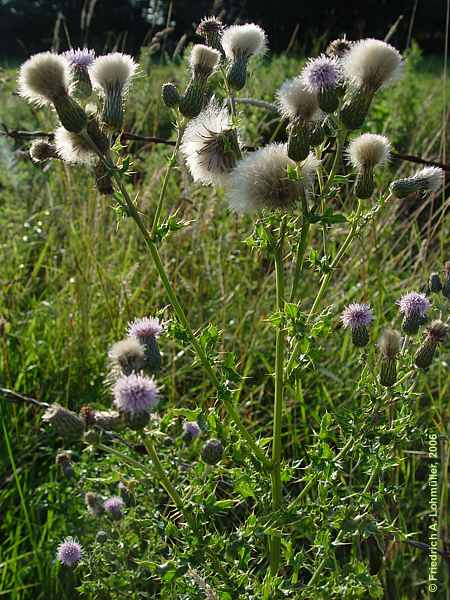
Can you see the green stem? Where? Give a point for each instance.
(340, 140)
(278, 404)
(301, 248)
(165, 481)
(170, 165)
(321, 565)
(326, 278)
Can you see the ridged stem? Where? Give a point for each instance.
(301, 248)
(275, 543)
(326, 278)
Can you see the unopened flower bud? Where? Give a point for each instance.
(446, 283)
(436, 334)
(101, 537)
(93, 504)
(435, 283)
(299, 140)
(212, 451)
(170, 95)
(103, 180)
(66, 423)
(125, 493)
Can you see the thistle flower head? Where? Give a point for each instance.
(145, 327)
(135, 394)
(209, 25)
(114, 507)
(69, 552)
(371, 63)
(437, 331)
(368, 150)
(203, 60)
(429, 179)
(113, 72)
(45, 77)
(321, 73)
(390, 343)
(339, 47)
(243, 41)
(414, 304)
(128, 354)
(72, 148)
(210, 145)
(41, 151)
(93, 503)
(261, 181)
(212, 451)
(191, 430)
(295, 101)
(80, 58)
(357, 315)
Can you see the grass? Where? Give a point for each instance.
(72, 278)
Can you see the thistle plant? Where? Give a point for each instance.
(286, 191)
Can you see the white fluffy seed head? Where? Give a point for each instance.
(44, 77)
(114, 70)
(243, 40)
(432, 176)
(203, 59)
(207, 145)
(372, 63)
(72, 148)
(261, 181)
(295, 100)
(368, 150)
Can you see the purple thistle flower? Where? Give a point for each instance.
(191, 430)
(414, 304)
(357, 315)
(69, 552)
(321, 73)
(145, 328)
(114, 506)
(135, 394)
(82, 58)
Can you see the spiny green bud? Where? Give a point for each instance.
(329, 99)
(365, 184)
(101, 537)
(193, 99)
(360, 336)
(170, 95)
(389, 345)
(237, 72)
(435, 283)
(299, 140)
(356, 105)
(70, 113)
(66, 423)
(436, 334)
(388, 372)
(212, 452)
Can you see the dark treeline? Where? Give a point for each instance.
(28, 26)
